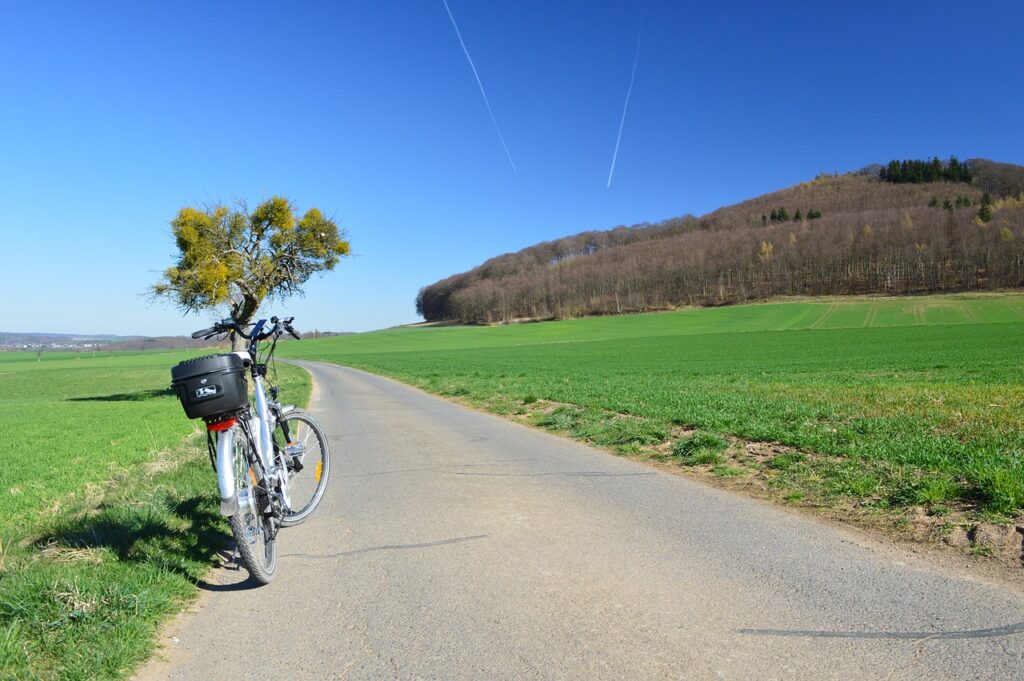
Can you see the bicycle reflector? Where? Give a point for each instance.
(218, 426)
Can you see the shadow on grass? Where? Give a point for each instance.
(139, 396)
(181, 536)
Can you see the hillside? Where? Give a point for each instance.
(835, 235)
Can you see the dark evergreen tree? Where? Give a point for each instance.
(953, 170)
(985, 212)
(893, 172)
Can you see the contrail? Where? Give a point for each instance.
(625, 106)
(501, 137)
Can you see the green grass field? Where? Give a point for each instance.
(108, 509)
(878, 402)
(73, 422)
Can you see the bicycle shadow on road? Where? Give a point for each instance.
(385, 547)
(230, 574)
(990, 632)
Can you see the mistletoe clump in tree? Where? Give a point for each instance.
(269, 252)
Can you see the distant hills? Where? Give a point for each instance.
(10, 340)
(908, 226)
(76, 342)
(71, 341)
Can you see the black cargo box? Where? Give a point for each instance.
(210, 386)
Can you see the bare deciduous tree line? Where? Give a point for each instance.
(872, 237)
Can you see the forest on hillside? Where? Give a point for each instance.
(892, 229)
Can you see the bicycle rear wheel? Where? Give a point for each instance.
(251, 524)
(307, 456)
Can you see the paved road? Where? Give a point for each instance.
(454, 545)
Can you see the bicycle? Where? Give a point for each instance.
(272, 460)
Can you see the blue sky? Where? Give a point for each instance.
(115, 115)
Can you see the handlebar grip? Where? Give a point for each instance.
(205, 332)
(294, 335)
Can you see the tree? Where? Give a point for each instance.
(266, 253)
(985, 212)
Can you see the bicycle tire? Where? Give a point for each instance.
(249, 525)
(299, 436)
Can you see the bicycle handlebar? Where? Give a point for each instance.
(225, 325)
(282, 324)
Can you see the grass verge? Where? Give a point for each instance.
(82, 594)
(87, 575)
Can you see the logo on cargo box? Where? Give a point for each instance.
(206, 391)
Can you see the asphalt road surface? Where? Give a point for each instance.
(455, 545)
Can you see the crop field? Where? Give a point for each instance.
(872, 403)
(108, 512)
(70, 423)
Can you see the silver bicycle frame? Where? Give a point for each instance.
(259, 426)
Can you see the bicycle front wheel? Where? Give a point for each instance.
(301, 440)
